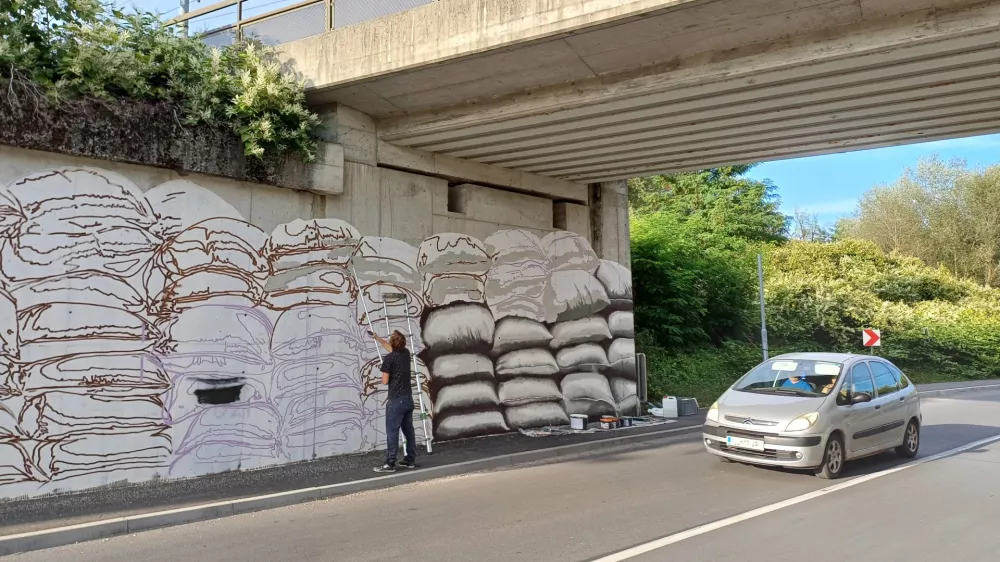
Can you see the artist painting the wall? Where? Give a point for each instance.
(399, 405)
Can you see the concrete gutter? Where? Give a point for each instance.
(61, 536)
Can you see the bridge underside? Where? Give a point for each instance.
(793, 78)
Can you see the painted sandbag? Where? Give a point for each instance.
(313, 242)
(621, 358)
(459, 328)
(456, 426)
(536, 362)
(452, 253)
(517, 279)
(464, 396)
(515, 333)
(574, 332)
(539, 414)
(528, 390)
(616, 278)
(624, 391)
(587, 394)
(574, 294)
(570, 251)
(621, 324)
(583, 357)
(461, 367)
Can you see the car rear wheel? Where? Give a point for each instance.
(833, 459)
(911, 441)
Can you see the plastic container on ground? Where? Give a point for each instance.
(670, 406)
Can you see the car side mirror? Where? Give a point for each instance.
(860, 397)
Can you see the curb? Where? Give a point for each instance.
(106, 528)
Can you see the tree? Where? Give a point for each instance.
(806, 227)
(943, 213)
(722, 198)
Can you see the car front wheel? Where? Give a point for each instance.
(833, 459)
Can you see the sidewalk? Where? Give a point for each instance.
(463, 456)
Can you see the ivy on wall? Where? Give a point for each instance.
(78, 49)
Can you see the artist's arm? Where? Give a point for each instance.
(381, 342)
(385, 378)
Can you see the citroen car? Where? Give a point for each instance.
(815, 411)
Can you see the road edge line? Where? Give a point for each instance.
(674, 538)
(118, 526)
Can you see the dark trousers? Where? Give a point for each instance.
(399, 414)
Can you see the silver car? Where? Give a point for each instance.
(814, 411)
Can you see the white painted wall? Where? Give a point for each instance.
(157, 326)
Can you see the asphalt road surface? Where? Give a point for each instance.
(598, 507)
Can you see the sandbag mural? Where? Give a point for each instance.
(159, 334)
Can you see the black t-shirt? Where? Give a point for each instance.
(397, 364)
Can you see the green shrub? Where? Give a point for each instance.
(75, 50)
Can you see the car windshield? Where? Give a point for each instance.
(794, 377)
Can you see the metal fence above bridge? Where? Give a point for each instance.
(290, 21)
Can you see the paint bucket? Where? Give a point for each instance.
(577, 421)
(626, 422)
(607, 422)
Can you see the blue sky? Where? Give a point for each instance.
(830, 185)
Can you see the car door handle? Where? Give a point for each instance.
(878, 407)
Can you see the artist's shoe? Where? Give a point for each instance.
(409, 465)
(386, 468)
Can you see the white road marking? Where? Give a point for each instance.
(958, 388)
(722, 523)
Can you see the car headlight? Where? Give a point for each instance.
(802, 422)
(713, 412)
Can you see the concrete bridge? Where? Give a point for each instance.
(590, 91)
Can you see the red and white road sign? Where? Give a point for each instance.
(871, 338)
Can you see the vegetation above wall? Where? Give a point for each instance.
(694, 243)
(76, 56)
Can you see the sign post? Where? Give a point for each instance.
(763, 320)
(871, 339)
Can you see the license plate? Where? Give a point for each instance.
(744, 443)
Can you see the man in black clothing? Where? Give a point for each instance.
(399, 406)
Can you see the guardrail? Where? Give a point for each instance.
(293, 21)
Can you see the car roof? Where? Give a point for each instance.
(820, 356)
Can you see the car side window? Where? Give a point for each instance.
(861, 380)
(885, 381)
(904, 382)
(844, 396)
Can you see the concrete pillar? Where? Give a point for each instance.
(609, 221)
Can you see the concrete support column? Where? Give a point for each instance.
(609, 221)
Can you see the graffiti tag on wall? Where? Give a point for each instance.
(160, 334)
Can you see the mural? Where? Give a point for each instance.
(160, 334)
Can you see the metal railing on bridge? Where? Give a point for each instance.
(288, 22)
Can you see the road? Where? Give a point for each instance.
(594, 506)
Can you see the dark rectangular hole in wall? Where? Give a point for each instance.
(559, 216)
(456, 199)
(219, 391)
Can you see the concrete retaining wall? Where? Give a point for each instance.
(154, 325)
